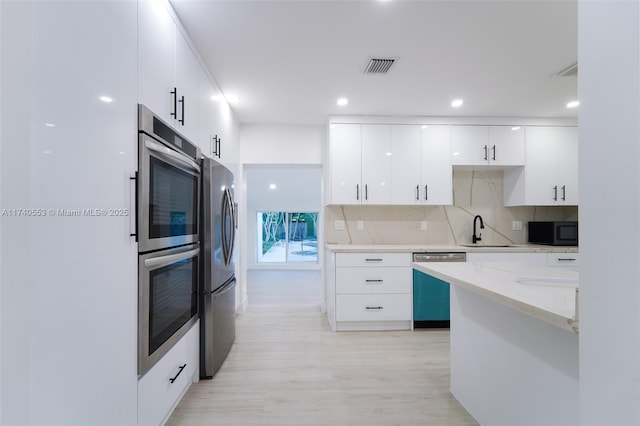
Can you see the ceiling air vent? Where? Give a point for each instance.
(379, 66)
(570, 71)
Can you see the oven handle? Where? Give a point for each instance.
(163, 150)
(171, 258)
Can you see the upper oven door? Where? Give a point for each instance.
(169, 188)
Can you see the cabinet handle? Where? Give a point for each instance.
(417, 192)
(376, 308)
(179, 371)
(426, 193)
(182, 102)
(494, 153)
(374, 281)
(373, 260)
(174, 92)
(566, 260)
(132, 213)
(216, 146)
(366, 192)
(486, 152)
(555, 193)
(564, 193)
(358, 192)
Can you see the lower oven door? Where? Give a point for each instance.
(167, 301)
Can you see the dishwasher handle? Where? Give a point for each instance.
(440, 257)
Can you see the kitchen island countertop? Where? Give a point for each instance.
(546, 293)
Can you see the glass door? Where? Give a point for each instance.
(284, 237)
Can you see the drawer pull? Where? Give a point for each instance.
(373, 260)
(372, 308)
(179, 371)
(560, 259)
(374, 281)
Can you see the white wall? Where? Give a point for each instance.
(609, 87)
(298, 189)
(282, 144)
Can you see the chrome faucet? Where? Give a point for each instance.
(477, 238)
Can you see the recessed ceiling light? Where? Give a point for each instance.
(47, 152)
(343, 101)
(49, 124)
(272, 186)
(106, 99)
(573, 104)
(456, 103)
(389, 154)
(515, 128)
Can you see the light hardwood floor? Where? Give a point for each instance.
(288, 368)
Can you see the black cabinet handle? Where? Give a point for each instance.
(426, 193)
(216, 146)
(494, 153)
(174, 92)
(366, 192)
(486, 152)
(564, 193)
(376, 308)
(179, 371)
(219, 150)
(374, 281)
(373, 260)
(555, 193)
(562, 259)
(182, 102)
(417, 192)
(135, 215)
(358, 192)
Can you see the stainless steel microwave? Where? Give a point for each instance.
(554, 233)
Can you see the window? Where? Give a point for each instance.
(287, 237)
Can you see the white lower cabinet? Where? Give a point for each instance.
(567, 260)
(160, 390)
(369, 291)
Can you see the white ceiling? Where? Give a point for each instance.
(289, 61)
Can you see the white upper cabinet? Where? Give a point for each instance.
(376, 164)
(167, 69)
(421, 165)
(550, 176)
(436, 186)
(405, 164)
(506, 145)
(188, 73)
(156, 58)
(487, 145)
(346, 163)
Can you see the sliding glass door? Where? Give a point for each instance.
(287, 237)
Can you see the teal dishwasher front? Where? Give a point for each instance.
(430, 294)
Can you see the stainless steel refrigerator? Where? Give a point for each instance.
(218, 282)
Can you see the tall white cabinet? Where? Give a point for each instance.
(550, 176)
(168, 70)
(69, 283)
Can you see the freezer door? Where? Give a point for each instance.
(218, 328)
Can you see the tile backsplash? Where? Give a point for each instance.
(474, 192)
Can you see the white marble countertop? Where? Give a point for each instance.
(409, 248)
(546, 293)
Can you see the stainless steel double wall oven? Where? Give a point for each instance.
(169, 256)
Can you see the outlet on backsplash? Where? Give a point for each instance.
(516, 225)
(423, 225)
(339, 225)
(360, 225)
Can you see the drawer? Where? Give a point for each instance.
(157, 395)
(373, 307)
(373, 280)
(563, 259)
(373, 259)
